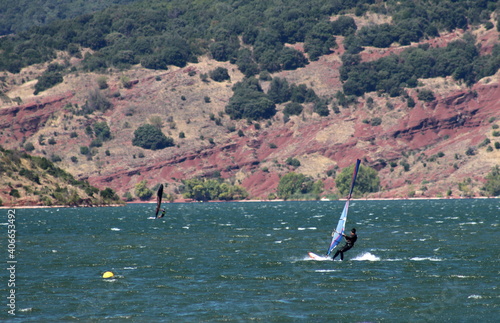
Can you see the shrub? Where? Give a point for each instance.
(376, 121)
(55, 158)
(149, 137)
(321, 108)
(102, 82)
(32, 176)
(367, 181)
(426, 95)
(108, 194)
(29, 146)
(410, 102)
(279, 90)
(492, 185)
(96, 101)
(295, 185)
(96, 143)
(250, 102)
(406, 166)
(470, 151)
(84, 150)
(142, 191)
(102, 131)
(156, 121)
(15, 193)
(47, 80)
(293, 162)
(219, 74)
(293, 108)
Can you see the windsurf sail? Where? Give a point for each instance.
(159, 196)
(339, 230)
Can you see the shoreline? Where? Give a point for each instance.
(248, 201)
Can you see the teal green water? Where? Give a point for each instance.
(415, 261)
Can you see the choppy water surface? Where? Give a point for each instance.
(415, 261)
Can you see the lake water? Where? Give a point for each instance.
(415, 261)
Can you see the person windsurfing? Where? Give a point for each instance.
(162, 214)
(159, 196)
(349, 243)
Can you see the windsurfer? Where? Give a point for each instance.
(349, 243)
(162, 214)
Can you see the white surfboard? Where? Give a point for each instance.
(317, 257)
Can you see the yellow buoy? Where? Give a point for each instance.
(108, 274)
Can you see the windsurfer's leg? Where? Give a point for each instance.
(336, 254)
(341, 256)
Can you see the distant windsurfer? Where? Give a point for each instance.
(349, 243)
(159, 196)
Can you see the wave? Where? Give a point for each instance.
(366, 257)
(426, 258)
(475, 296)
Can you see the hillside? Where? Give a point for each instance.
(28, 180)
(444, 147)
(24, 14)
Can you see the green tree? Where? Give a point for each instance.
(149, 137)
(219, 74)
(250, 102)
(279, 90)
(293, 162)
(321, 108)
(102, 131)
(202, 189)
(292, 59)
(426, 95)
(293, 108)
(142, 191)
(29, 147)
(367, 181)
(108, 194)
(295, 185)
(47, 80)
(492, 185)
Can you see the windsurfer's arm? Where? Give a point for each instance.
(335, 231)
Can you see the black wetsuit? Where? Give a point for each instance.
(349, 243)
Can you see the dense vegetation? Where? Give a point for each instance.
(250, 102)
(252, 35)
(142, 191)
(150, 137)
(158, 33)
(367, 181)
(492, 185)
(299, 186)
(203, 189)
(21, 15)
(459, 59)
(39, 179)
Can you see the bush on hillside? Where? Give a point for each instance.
(149, 137)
